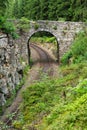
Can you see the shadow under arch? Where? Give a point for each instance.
(28, 45)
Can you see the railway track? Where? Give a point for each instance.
(45, 60)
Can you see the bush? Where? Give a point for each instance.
(2, 21)
(36, 26)
(78, 51)
(23, 24)
(8, 27)
(81, 88)
(66, 57)
(61, 19)
(80, 45)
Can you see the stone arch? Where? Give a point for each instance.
(42, 30)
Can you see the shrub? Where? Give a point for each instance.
(66, 57)
(78, 51)
(80, 45)
(2, 21)
(61, 19)
(8, 27)
(36, 26)
(23, 24)
(81, 88)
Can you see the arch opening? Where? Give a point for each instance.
(46, 39)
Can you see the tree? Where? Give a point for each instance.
(3, 6)
(44, 9)
(80, 10)
(23, 8)
(70, 10)
(52, 14)
(16, 9)
(35, 10)
(9, 9)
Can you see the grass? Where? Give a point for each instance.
(78, 50)
(43, 40)
(54, 104)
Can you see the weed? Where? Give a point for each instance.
(36, 26)
(23, 25)
(78, 51)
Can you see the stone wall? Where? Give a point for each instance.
(64, 32)
(13, 55)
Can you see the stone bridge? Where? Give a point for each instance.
(15, 54)
(64, 32)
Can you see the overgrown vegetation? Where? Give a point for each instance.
(78, 51)
(73, 10)
(43, 37)
(23, 24)
(43, 40)
(8, 27)
(61, 103)
(51, 104)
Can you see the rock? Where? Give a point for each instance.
(3, 86)
(10, 67)
(2, 99)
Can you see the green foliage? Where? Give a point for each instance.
(9, 9)
(71, 116)
(23, 24)
(26, 69)
(79, 13)
(78, 51)
(51, 10)
(3, 6)
(8, 27)
(57, 103)
(36, 26)
(17, 124)
(66, 57)
(43, 39)
(45, 10)
(17, 9)
(2, 21)
(81, 88)
(3, 126)
(61, 19)
(79, 47)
